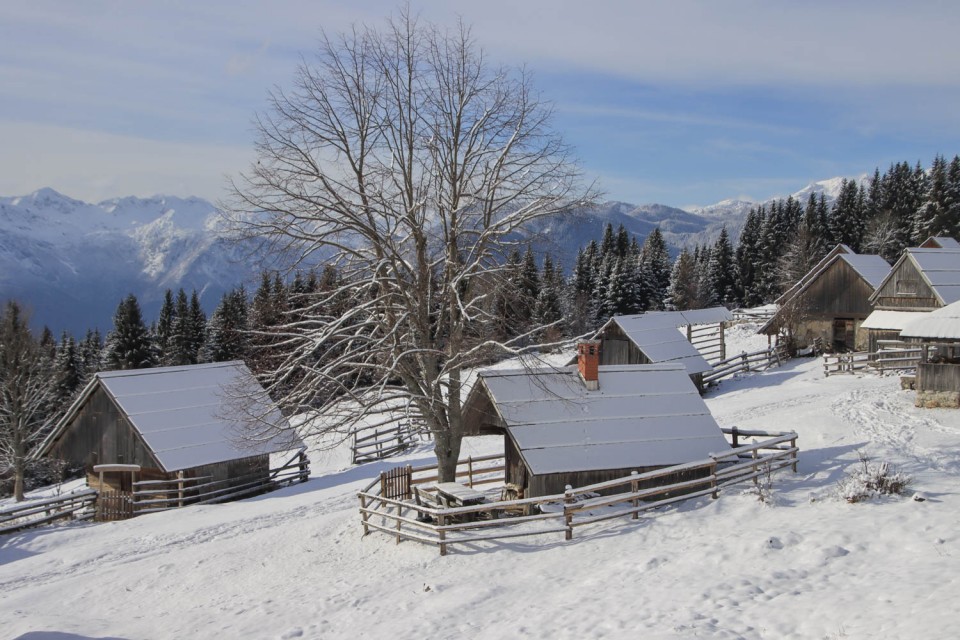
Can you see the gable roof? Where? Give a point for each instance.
(641, 416)
(939, 268)
(655, 334)
(887, 319)
(941, 242)
(186, 415)
(872, 270)
(942, 323)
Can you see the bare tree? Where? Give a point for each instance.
(407, 161)
(26, 392)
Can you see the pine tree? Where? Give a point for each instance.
(683, 293)
(68, 371)
(657, 268)
(952, 199)
(749, 258)
(164, 326)
(197, 327)
(932, 217)
(91, 353)
(226, 334)
(129, 345)
(722, 270)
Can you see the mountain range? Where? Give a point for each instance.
(71, 262)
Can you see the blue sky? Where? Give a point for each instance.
(679, 102)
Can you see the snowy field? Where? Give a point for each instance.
(293, 564)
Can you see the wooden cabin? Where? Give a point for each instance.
(830, 302)
(662, 336)
(938, 372)
(167, 423)
(586, 423)
(922, 280)
(940, 242)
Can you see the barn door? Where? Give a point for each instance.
(843, 334)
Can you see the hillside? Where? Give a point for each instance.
(293, 563)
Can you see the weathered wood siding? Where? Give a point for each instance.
(839, 292)
(905, 289)
(480, 417)
(101, 434)
(617, 348)
(554, 483)
(938, 377)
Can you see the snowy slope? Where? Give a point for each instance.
(293, 563)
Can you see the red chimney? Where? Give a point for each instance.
(588, 361)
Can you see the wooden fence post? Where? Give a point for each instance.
(756, 480)
(304, 467)
(634, 487)
(470, 471)
(744, 365)
(736, 437)
(441, 519)
(568, 502)
(723, 341)
(793, 445)
(363, 513)
(713, 480)
(180, 488)
(399, 515)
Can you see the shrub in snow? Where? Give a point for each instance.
(869, 480)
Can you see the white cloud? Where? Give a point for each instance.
(94, 166)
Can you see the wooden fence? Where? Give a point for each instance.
(150, 496)
(709, 341)
(745, 362)
(74, 505)
(899, 359)
(431, 524)
(377, 443)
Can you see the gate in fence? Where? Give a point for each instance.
(114, 505)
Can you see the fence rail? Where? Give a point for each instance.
(415, 517)
(377, 443)
(150, 496)
(901, 359)
(38, 512)
(745, 362)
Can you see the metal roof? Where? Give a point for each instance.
(939, 268)
(871, 268)
(190, 415)
(943, 323)
(641, 416)
(891, 320)
(656, 335)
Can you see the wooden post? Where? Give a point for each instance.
(793, 445)
(744, 365)
(568, 502)
(723, 341)
(399, 515)
(470, 471)
(363, 513)
(634, 487)
(304, 468)
(179, 488)
(756, 480)
(736, 437)
(441, 520)
(713, 480)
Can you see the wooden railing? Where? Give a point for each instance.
(377, 443)
(76, 505)
(416, 518)
(903, 359)
(150, 496)
(708, 340)
(745, 362)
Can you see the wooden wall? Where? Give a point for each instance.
(100, 434)
(906, 290)
(838, 292)
(554, 483)
(938, 377)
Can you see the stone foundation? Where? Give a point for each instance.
(933, 399)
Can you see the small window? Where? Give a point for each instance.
(907, 287)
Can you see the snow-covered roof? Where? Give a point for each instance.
(943, 242)
(891, 320)
(187, 415)
(641, 416)
(943, 323)
(711, 315)
(871, 268)
(939, 268)
(656, 335)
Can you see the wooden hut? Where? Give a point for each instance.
(169, 423)
(563, 427)
(662, 336)
(940, 242)
(938, 372)
(829, 302)
(923, 279)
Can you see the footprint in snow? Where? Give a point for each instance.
(774, 543)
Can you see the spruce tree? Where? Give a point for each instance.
(683, 283)
(749, 258)
(226, 334)
(129, 345)
(932, 217)
(164, 326)
(657, 268)
(722, 270)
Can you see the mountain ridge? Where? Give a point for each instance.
(72, 262)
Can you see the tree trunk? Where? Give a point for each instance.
(446, 446)
(19, 470)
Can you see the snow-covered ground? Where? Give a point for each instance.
(293, 563)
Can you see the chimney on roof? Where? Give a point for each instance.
(588, 362)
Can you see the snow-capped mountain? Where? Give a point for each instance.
(72, 262)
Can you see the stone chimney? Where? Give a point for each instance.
(588, 361)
